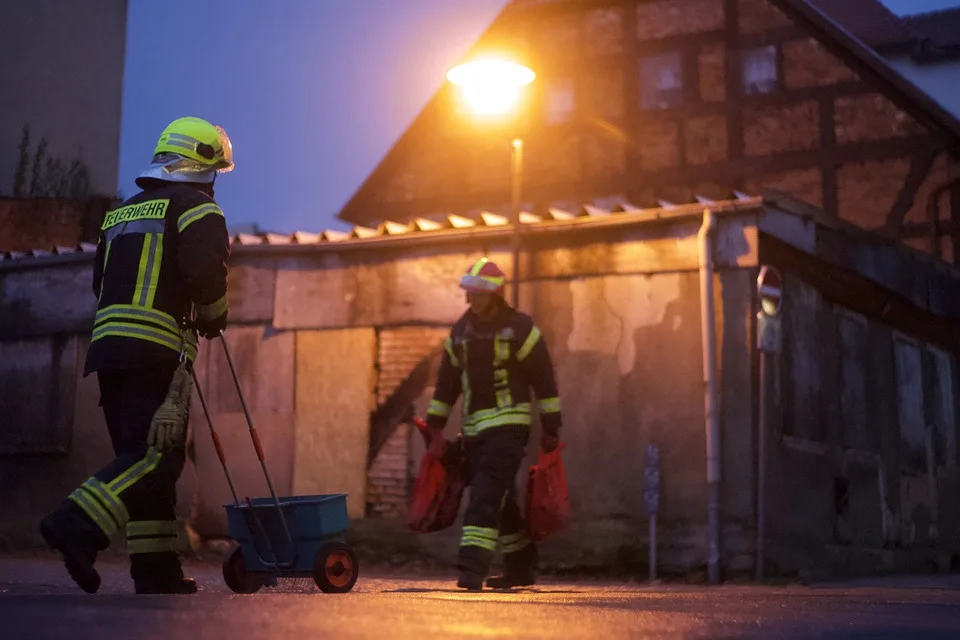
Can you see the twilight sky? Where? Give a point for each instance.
(312, 92)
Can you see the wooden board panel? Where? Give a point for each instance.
(37, 391)
(250, 290)
(333, 292)
(263, 358)
(334, 395)
(42, 301)
(203, 488)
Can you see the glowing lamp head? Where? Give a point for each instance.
(491, 86)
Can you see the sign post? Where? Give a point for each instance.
(651, 496)
(769, 343)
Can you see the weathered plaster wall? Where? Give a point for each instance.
(319, 339)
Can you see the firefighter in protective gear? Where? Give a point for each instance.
(494, 355)
(160, 277)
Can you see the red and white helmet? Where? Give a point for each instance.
(483, 277)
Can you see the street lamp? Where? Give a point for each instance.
(491, 88)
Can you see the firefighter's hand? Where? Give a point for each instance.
(211, 329)
(166, 428)
(549, 441)
(169, 421)
(438, 444)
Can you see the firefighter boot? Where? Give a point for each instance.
(470, 581)
(519, 568)
(159, 573)
(510, 579)
(183, 586)
(69, 531)
(473, 563)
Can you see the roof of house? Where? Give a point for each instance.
(942, 27)
(870, 21)
(854, 29)
(838, 38)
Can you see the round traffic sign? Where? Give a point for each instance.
(769, 290)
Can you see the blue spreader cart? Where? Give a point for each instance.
(283, 537)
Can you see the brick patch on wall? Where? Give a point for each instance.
(871, 117)
(776, 129)
(664, 18)
(43, 223)
(399, 351)
(706, 139)
(806, 184)
(659, 146)
(866, 191)
(760, 15)
(713, 77)
(807, 64)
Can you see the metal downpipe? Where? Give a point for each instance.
(710, 402)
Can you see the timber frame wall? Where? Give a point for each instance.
(823, 133)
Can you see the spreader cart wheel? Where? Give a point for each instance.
(235, 574)
(335, 569)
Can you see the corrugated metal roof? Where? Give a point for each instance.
(602, 207)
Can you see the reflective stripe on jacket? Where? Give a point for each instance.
(161, 257)
(494, 366)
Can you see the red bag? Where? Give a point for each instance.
(548, 501)
(435, 501)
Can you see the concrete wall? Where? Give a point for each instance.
(62, 74)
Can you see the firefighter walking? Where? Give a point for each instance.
(160, 278)
(493, 357)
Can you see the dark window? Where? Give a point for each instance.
(758, 69)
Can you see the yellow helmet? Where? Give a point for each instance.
(198, 140)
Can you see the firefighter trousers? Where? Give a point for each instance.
(135, 493)
(493, 515)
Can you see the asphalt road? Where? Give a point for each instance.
(37, 601)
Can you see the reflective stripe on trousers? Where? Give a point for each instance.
(101, 501)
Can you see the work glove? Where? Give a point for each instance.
(170, 419)
(549, 441)
(211, 329)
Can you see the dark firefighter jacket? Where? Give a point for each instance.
(161, 258)
(494, 365)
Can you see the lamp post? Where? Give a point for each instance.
(492, 88)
